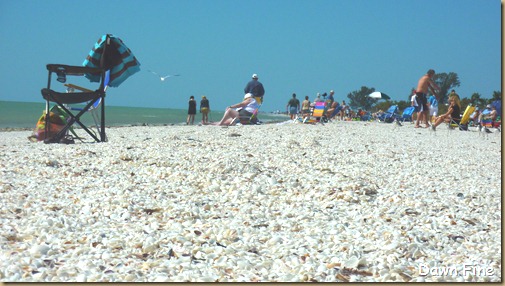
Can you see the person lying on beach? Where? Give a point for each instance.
(454, 113)
(245, 108)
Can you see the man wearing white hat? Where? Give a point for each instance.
(255, 88)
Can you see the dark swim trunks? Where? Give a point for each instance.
(422, 101)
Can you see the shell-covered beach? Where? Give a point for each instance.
(343, 201)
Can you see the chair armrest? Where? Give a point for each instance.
(73, 70)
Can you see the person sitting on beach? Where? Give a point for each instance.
(488, 115)
(333, 107)
(454, 113)
(245, 108)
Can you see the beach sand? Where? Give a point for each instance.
(344, 201)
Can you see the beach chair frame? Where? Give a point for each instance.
(247, 120)
(407, 114)
(317, 114)
(62, 99)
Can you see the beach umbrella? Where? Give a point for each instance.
(111, 53)
(379, 95)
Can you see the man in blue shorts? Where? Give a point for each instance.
(293, 106)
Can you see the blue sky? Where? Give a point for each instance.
(295, 46)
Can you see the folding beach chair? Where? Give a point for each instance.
(335, 112)
(247, 120)
(96, 105)
(407, 114)
(64, 98)
(317, 115)
(319, 110)
(108, 54)
(390, 115)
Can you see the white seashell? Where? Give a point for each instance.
(352, 262)
(81, 278)
(39, 250)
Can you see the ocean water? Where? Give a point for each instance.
(15, 114)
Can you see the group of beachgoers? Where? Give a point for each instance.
(253, 98)
(426, 108)
(333, 109)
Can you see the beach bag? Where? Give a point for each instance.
(56, 124)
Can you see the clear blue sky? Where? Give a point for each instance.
(295, 46)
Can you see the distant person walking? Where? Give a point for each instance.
(293, 106)
(204, 109)
(191, 111)
(424, 85)
(255, 88)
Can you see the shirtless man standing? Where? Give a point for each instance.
(425, 83)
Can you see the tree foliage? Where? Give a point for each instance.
(476, 100)
(496, 95)
(446, 82)
(360, 98)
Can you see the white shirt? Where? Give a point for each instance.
(413, 100)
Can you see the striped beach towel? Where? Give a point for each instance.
(118, 59)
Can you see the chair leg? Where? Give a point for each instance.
(73, 119)
(102, 124)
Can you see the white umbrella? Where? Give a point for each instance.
(379, 95)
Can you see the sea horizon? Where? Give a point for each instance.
(24, 115)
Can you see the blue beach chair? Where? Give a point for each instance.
(390, 115)
(407, 114)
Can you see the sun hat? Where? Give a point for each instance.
(254, 76)
(247, 95)
(488, 106)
